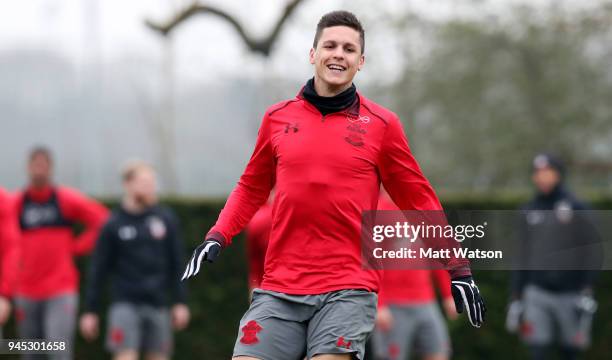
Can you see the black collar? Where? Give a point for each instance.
(328, 105)
(552, 197)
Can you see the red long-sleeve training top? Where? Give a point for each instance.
(327, 170)
(9, 245)
(258, 235)
(48, 244)
(405, 287)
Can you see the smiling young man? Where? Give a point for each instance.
(326, 151)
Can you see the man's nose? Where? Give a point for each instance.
(339, 53)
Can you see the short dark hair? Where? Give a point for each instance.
(40, 151)
(548, 160)
(132, 167)
(340, 18)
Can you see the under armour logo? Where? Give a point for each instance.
(342, 343)
(291, 127)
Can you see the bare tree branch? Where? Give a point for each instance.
(262, 46)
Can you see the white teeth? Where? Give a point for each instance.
(335, 67)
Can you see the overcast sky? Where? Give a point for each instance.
(205, 48)
(88, 74)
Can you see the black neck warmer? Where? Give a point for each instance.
(328, 105)
(552, 197)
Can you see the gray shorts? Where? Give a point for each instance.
(416, 328)
(278, 326)
(52, 319)
(142, 328)
(550, 316)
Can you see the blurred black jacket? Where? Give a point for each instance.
(558, 241)
(143, 254)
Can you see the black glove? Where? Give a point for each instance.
(466, 296)
(208, 250)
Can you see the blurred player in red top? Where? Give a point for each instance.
(408, 317)
(9, 255)
(258, 235)
(47, 293)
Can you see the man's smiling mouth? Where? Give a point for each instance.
(336, 68)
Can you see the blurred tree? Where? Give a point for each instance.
(164, 124)
(490, 93)
(261, 46)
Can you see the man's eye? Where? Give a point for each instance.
(350, 50)
(328, 46)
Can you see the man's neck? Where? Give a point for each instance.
(40, 185)
(39, 191)
(327, 91)
(130, 205)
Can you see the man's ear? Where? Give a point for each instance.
(312, 55)
(361, 62)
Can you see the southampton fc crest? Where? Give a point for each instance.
(157, 228)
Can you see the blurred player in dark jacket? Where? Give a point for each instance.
(551, 304)
(140, 247)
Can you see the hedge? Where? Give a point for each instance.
(219, 295)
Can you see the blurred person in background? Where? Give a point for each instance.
(47, 291)
(141, 248)
(552, 306)
(9, 255)
(326, 151)
(409, 319)
(258, 235)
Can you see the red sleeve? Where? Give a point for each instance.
(401, 174)
(443, 282)
(406, 184)
(251, 192)
(9, 245)
(81, 209)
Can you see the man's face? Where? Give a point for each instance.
(39, 170)
(142, 188)
(337, 57)
(545, 179)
